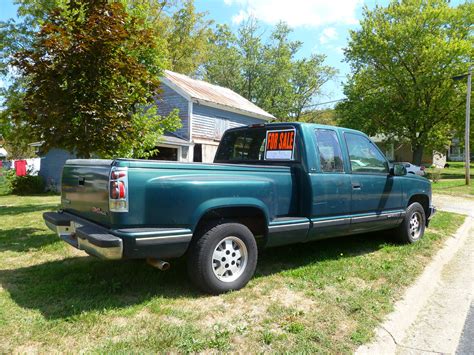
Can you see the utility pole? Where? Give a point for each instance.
(466, 138)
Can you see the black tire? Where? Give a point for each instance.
(406, 231)
(202, 265)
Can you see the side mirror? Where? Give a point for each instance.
(398, 170)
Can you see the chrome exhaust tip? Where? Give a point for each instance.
(159, 264)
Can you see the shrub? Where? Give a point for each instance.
(434, 175)
(6, 177)
(27, 185)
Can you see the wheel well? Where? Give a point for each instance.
(251, 217)
(423, 200)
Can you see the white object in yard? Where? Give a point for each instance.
(3, 153)
(33, 166)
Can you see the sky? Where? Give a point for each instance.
(322, 25)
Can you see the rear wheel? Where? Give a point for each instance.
(222, 258)
(412, 228)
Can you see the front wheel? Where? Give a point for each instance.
(223, 258)
(412, 228)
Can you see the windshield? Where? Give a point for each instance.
(247, 145)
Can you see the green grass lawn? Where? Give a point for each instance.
(456, 170)
(453, 187)
(325, 296)
(452, 180)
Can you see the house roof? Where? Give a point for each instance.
(212, 95)
(172, 139)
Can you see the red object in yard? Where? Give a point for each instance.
(422, 167)
(20, 167)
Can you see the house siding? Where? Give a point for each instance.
(52, 166)
(205, 120)
(167, 101)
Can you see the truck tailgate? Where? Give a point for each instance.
(85, 189)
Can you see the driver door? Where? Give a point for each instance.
(376, 198)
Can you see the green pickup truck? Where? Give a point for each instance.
(269, 185)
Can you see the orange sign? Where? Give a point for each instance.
(280, 145)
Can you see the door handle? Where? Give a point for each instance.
(356, 186)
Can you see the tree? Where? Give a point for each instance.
(225, 61)
(322, 116)
(15, 135)
(89, 81)
(266, 72)
(403, 58)
(187, 38)
(179, 41)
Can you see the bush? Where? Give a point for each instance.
(27, 185)
(6, 177)
(434, 175)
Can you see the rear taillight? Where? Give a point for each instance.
(118, 190)
(117, 174)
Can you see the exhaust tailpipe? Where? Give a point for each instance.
(159, 264)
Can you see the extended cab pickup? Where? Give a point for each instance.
(269, 185)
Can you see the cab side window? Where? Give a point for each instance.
(330, 154)
(364, 156)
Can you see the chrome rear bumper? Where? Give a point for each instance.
(91, 238)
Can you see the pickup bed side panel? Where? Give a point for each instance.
(177, 197)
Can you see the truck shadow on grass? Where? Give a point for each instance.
(25, 239)
(17, 210)
(65, 288)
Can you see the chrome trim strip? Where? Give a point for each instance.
(132, 233)
(331, 220)
(358, 219)
(166, 237)
(297, 225)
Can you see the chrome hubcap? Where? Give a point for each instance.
(415, 225)
(229, 259)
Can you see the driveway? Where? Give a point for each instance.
(433, 317)
(454, 204)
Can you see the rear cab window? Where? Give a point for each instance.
(259, 145)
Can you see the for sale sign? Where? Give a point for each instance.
(280, 145)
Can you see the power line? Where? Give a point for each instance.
(455, 78)
(324, 103)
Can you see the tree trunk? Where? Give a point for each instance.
(417, 154)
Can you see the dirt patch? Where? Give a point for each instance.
(30, 348)
(250, 308)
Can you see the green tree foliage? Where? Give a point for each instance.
(403, 58)
(266, 72)
(187, 38)
(156, 35)
(185, 31)
(323, 116)
(90, 76)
